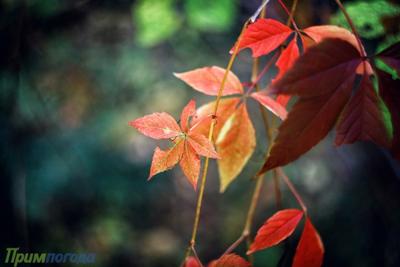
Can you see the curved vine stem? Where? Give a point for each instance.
(353, 27)
(210, 137)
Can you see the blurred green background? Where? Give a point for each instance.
(73, 173)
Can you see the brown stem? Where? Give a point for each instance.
(290, 16)
(235, 245)
(292, 11)
(292, 188)
(353, 28)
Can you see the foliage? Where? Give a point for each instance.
(327, 72)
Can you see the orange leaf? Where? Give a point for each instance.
(272, 105)
(264, 36)
(230, 260)
(362, 119)
(276, 229)
(390, 93)
(208, 80)
(157, 126)
(310, 250)
(188, 111)
(202, 145)
(202, 121)
(323, 79)
(165, 160)
(190, 164)
(235, 145)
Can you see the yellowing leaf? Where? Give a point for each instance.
(235, 145)
(201, 122)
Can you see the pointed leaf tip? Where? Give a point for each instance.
(310, 250)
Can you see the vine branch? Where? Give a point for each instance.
(210, 137)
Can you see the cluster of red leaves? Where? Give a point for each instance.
(266, 35)
(281, 225)
(334, 86)
(327, 70)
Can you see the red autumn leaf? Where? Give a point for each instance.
(235, 145)
(187, 144)
(389, 90)
(362, 119)
(287, 57)
(208, 81)
(391, 56)
(157, 126)
(264, 36)
(323, 79)
(272, 105)
(310, 250)
(276, 229)
(230, 260)
(191, 262)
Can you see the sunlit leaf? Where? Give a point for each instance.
(157, 126)
(276, 229)
(264, 36)
(208, 80)
(235, 145)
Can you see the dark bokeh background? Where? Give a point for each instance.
(73, 173)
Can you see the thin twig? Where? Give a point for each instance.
(292, 188)
(353, 27)
(290, 16)
(292, 11)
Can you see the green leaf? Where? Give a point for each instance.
(155, 21)
(211, 15)
(390, 40)
(367, 16)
